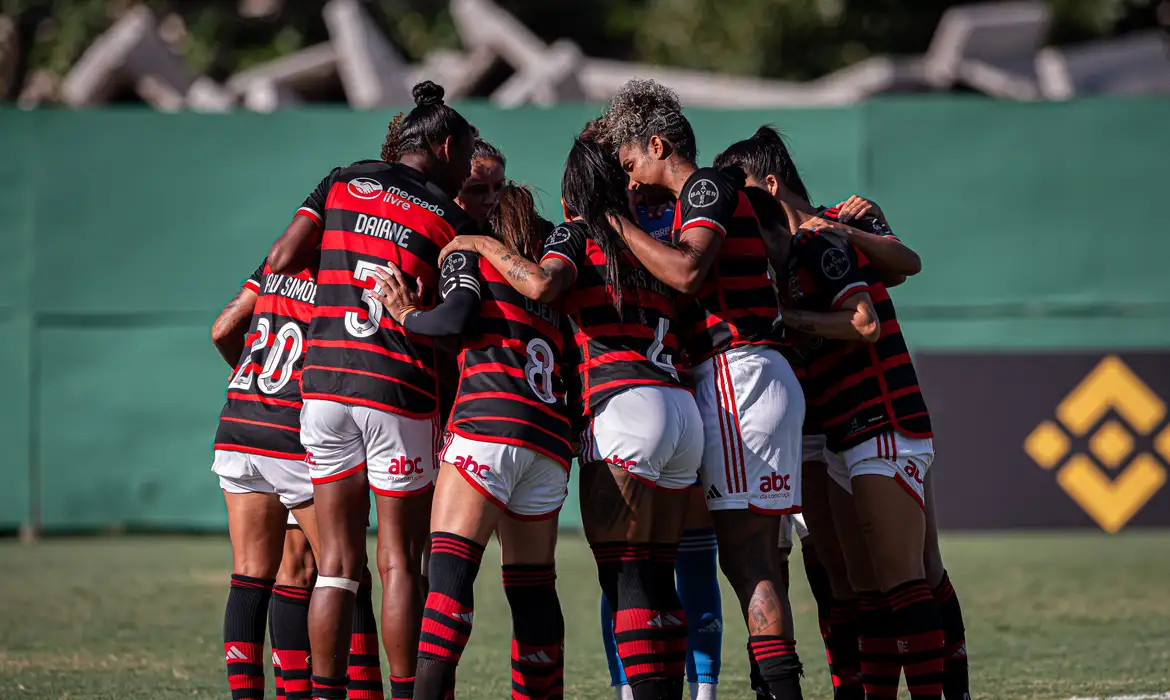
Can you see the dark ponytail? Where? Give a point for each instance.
(764, 154)
(428, 124)
(594, 188)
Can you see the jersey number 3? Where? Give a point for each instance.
(539, 370)
(362, 272)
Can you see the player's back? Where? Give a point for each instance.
(510, 387)
(616, 349)
(262, 413)
(375, 213)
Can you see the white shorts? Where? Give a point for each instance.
(243, 472)
(653, 432)
(890, 454)
(753, 410)
(523, 482)
(787, 524)
(398, 453)
(813, 448)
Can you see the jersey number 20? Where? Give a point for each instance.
(270, 382)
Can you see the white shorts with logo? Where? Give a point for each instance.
(526, 484)
(813, 448)
(753, 410)
(397, 452)
(788, 523)
(244, 472)
(654, 432)
(890, 454)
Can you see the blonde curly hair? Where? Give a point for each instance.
(645, 108)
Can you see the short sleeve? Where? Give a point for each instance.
(460, 271)
(836, 270)
(256, 278)
(708, 199)
(567, 243)
(314, 205)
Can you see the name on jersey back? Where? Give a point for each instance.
(291, 287)
(386, 229)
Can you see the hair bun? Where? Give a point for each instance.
(428, 94)
(767, 134)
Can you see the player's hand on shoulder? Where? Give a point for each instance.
(470, 243)
(395, 293)
(857, 207)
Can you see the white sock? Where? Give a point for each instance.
(625, 692)
(702, 691)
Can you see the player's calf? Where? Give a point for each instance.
(449, 613)
(538, 629)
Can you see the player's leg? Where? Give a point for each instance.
(697, 576)
(956, 683)
(825, 568)
(753, 408)
(341, 506)
(528, 538)
(469, 500)
(888, 496)
(256, 521)
(288, 615)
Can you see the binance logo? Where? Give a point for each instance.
(1112, 392)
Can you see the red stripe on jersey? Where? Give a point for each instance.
(538, 405)
(510, 419)
(361, 244)
(369, 347)
(305, 211)
(253, 285)
(558, 256)
(485, 341)
(363, 315)
(283, 306)
(228, 447)
(262, 424)
(363, 373)
(416, 217)
(262, 398)
(601, 296)
(877, 369)
(618, 330)
(615, 356)
(494, 308)
(727, 316)
(624, 383)
(826, 422)
(496, 367)
(743, 248)
(705, 223)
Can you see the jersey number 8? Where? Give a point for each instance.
(289, 335)
(539, 370)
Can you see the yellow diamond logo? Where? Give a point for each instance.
(1111, 386)
(1111, 445)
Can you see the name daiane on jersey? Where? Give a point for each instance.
(291, 287)
(382, 228)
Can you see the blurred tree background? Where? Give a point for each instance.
(793, 39)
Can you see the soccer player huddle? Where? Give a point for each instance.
(721, 357)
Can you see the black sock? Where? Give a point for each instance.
(956, 685)
(365, 673)
(671, 646)
(842, 649)
(277, 678)
(289, 623)
(402, 687)
(244, 620)
(920, 638)
(623, 569)
(754, 678)
(329, 687)
(538, 628)
(779, 665)
(880, 665)
(449, 613)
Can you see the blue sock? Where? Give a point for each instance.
(697, 576)
(617, 675)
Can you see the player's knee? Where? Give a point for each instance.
(394, 562)
(344, 562)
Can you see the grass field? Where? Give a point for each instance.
(1048, 616)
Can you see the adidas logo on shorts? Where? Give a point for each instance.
(713, 493)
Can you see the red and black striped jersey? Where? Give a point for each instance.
(373, 213)
(263, 410)
(860, 390)
(510, 388)
(736, 304)
(615, 349)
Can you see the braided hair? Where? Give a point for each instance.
(645, 108)
(427, 125)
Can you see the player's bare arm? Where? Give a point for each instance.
(543, 282)
(682, 266)
(297, 247)
(230, 327)
(854, 320)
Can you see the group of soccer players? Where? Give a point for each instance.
(688, 334)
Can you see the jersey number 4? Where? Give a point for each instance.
(656, 354)
(286, 349)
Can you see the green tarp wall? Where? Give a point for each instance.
(1041, 226)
